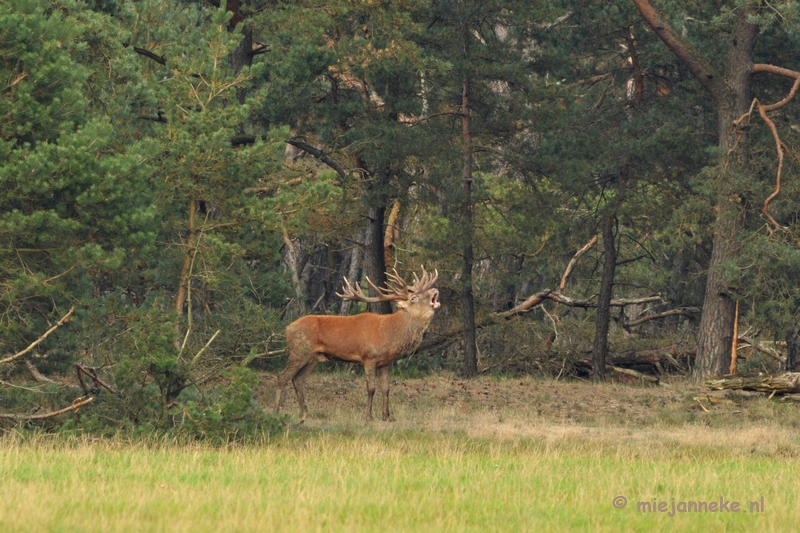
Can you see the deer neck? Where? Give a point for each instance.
(408, 329)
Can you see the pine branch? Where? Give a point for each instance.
(77, 404)
(147, 53)
(35, 343)
(701, 69)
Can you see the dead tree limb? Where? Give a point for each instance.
(319, 154)
(77, 404)
(151, 55)
(763, 109)
(762, 349)
(35, 343)
(574, 261)
(644, 378)
(41, 378)
(536, 300)
(685, 311)
(786, 383)
(92, 373)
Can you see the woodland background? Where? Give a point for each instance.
(181, 179)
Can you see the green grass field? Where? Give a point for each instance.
(335, 473)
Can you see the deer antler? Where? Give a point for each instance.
(425, 282)
(396, 288)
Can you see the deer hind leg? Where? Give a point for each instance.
(294, 367)
(369, 371)
(383, 377)
(299, 381)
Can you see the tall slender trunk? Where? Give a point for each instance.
(242, 55)
(600, 349)
(185, 277)
(391, 233)
(467, 237)
(354, 270)
(793, 350)
(374, 263)
(373, 254)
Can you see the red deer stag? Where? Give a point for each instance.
(368, 338)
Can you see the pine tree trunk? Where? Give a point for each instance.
(716, 323)
(677, 289)
(467, 299)
(373, 254)
(793, 350)
(353, 272)
(600, 349)
(242, 55)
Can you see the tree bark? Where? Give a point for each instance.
(242, 55)
(600, 349)
(793, 350)
(391, 233)
(185, 276)
(467, 237)
(716, 322)
(373, 254)
(353, 271)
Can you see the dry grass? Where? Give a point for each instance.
(558, 412)
(484, 455)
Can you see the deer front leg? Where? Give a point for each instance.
(369, 371)
(383, 376)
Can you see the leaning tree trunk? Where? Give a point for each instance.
(467, 299)
(600, 349)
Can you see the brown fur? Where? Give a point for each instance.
(370, 339)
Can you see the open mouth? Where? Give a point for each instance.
(435, 298)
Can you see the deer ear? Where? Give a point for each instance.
(401, 304)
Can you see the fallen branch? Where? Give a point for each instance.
(786, 383)
(531, 302)
(654, 357)
(35, 343)
(615, 302)
(41, 378)
(635, 374)
(77, 404)
(762, 349)
(685, 311)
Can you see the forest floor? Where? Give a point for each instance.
(541, 409)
